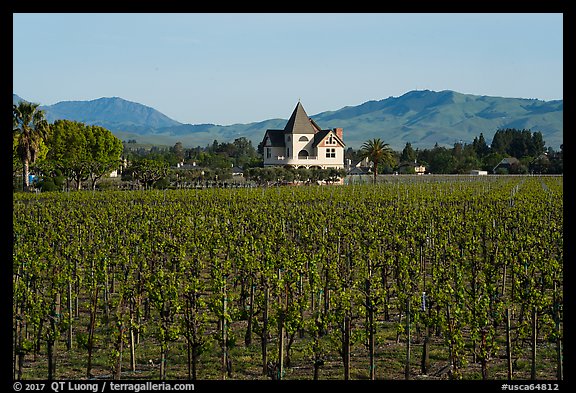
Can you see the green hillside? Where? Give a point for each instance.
(422, 117)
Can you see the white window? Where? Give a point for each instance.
(303, 139)
(330, 153)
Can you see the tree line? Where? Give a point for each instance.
(72, 155)
(66, 151)
(528, 147)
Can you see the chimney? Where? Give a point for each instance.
(338, 132)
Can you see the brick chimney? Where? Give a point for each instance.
(338, 132)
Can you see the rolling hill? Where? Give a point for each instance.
(421, 117)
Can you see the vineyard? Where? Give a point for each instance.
(428, 277)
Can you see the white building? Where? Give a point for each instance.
(303, 144)
(478, 172)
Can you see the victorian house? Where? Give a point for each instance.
(302, 143)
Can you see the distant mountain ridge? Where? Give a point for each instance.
(421, 117)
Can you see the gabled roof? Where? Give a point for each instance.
(320, 135)
(363, 163)
(276, 138)
(509, 161)
(299, 122)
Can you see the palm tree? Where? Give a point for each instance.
(30, 129)
(376, 151)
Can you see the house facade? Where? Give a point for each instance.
(302, 143)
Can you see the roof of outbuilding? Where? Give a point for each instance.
(509, 160)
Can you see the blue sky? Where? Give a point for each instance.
(242, 68)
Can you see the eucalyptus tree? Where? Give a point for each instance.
(30, 131)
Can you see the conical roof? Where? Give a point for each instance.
(299, 122)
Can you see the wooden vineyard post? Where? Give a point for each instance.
(508, 345)
(281, 329)
(69, 332)
(557, 320)
(426, 345)
(346, 345)
(54, 318)
(407, 367)
(264, 337)
(534, 338)
(248, 335)
(224, 333)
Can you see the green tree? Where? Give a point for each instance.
(378, 152)
(105, 151)
(303, 174)
(537, 144)
(83, 152)
(465, 158)
(518, 143)
(490, 161)
(147, 171)
(442, 160)
(480, 146)
(408, 154)
(68, 149)
(178, 151)
(30, 130)
(243, 151)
